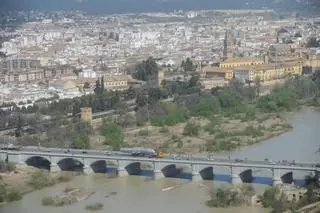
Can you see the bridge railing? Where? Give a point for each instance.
(167, 161)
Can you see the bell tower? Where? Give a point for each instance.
(228, 46)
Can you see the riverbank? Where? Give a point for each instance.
(209, 135)
(69, 196)
(26, 179)
(137, 195)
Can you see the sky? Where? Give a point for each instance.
(114, 6)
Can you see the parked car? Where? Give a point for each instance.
(238, 160)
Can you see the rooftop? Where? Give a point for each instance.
(244, 59)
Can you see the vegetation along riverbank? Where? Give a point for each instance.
(222, 120)
(15, 181)
(283, 198)
(192, 121)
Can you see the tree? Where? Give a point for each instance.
(146, 70)
(102, 85)
(113, 135)
(280, 205)
(3, 193)
(191, 129)
(142, 98)
(194, 81)
(154, 95)
(269, 196)
(187, 65)
(18, 131)
(257, 84)
(205, 107)
(97, 89)
(130, 93)
(80, 141)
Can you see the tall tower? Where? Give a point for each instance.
(160, 77)
(202, 72)
(228, 46)
(86, 114)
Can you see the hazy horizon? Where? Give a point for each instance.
(121, 6)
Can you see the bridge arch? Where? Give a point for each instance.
(246, 176)
(99, 166)
(207, 173)
(39, 162)
(136, 168)
(71, 164)
(287, 178)
(171, 171)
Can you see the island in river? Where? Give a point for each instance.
(203, 136)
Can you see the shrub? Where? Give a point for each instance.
(144, 132)
(180, 144)
(140, 121)
(40, 179)
(11, 167)
(164, 130)
(94, 207)
(3, 193)
(269, 196)
(48, 201)
(68, 189)
(173, 118)
(205, 107)
(13, 195)
(191, 129)
(64, 178)
(113, 135)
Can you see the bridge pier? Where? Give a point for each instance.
(122, 172)
(235, 176)
(276, 177)
(195, 173)
(157, 171)
(54, 167)
(3, 156)
(121, 169)
(87, 170)
(318, 177)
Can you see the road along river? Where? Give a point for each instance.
(136, 195)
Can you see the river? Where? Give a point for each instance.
(135, 195)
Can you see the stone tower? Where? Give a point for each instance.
(202, 72)
(160, 77)
(228, 46)
(86, 114)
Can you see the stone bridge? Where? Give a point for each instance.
(199, 169)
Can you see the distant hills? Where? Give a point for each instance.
(124, 6)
